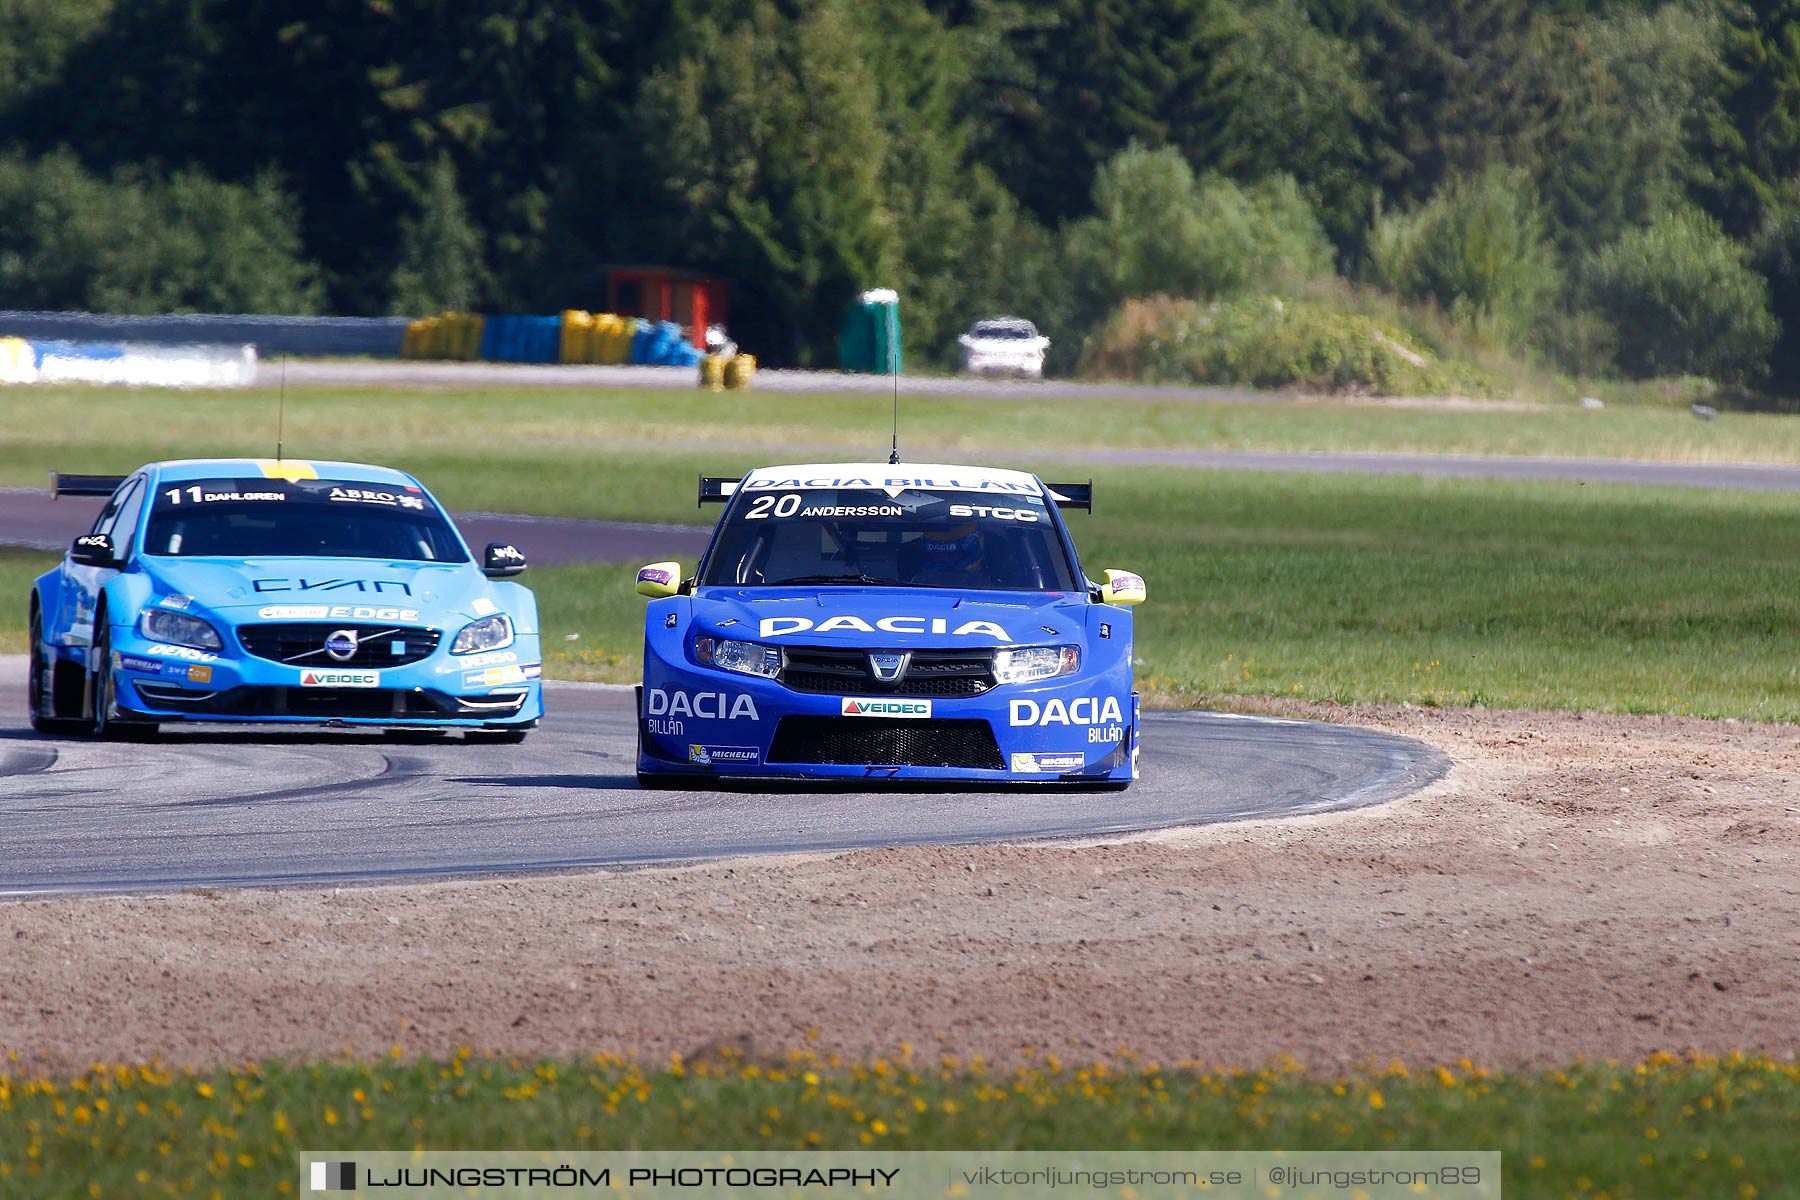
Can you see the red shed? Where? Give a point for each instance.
(668, 294)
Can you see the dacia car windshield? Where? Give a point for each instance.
(311, 518)
(919, 538)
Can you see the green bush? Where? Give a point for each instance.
(1157, 229)
(1682, 300)
(1269, 342)
(70, 240)
(1478, 249)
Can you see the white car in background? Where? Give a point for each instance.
(1004, 346)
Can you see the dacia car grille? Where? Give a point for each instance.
(834, 671)
(881, 742)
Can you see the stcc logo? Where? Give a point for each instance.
(341, 645)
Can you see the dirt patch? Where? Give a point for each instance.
(1579, 885)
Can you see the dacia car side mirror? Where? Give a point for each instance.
(659, 580)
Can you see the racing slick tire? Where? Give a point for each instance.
(40, 688)
(108, 726)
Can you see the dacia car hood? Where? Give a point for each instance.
(890, 616)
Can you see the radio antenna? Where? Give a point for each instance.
(281, 409)
(894, 369)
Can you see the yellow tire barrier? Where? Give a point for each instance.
(740, 371)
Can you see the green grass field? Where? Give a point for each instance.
(504, 441)
(1322, 587)
(1665, 1128)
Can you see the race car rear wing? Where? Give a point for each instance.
(83, 485)
(717, 489)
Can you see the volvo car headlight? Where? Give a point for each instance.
(179, 629)
(746, 658)
(1036, 662)
(489, 633)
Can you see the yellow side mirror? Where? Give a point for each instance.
(659, 580)
(1122, 587)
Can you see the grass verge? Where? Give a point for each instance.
(1365, 590)
(561, 451)
(1705, 1127)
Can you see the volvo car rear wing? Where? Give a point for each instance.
(83, 485)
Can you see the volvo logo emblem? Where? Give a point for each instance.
(341, 645)
(888, 668)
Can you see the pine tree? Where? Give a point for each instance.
(769, 165)
(440, 265)
(1755, 134)
(1071, 84)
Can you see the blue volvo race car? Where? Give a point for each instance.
(279, 591)
(880, 622)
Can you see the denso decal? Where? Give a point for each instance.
(335, 612)
(1083, 710)
(718, 706)
(379, 586)
(343, 679)
(854, 707)
(999, 514)
(186, 653)
(782, 626)
(493, 658)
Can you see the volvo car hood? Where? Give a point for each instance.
(321, 588)
(886, 616)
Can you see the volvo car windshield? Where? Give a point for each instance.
(312, 518)
(950, 539)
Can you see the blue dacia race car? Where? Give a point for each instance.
(876, 622)
(279, 591)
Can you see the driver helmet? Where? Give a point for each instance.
(955, 549)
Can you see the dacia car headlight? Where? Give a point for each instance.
(489, 633)
(746, 658)
(1036, 662)
(179, 629)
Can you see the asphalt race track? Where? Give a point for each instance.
(267, 805)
